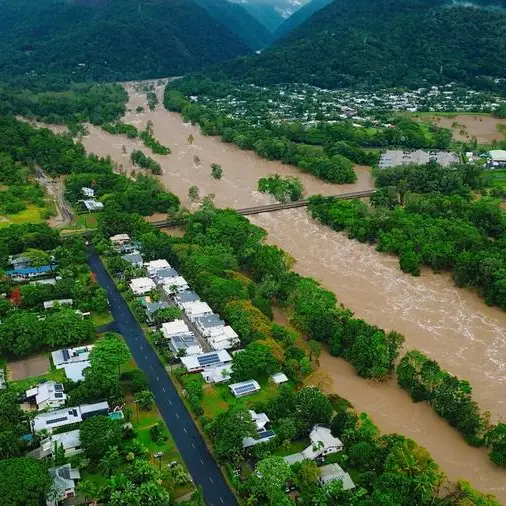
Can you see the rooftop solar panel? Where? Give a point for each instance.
(58, 395)
(56, 420)
(58, 387)
(66, 354)
(265, 434)
(250, 387)
(209, 359)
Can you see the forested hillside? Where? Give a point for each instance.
(239, 21)
(110, 40)
(299, 17)
(386, 43)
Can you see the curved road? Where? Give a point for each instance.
(201, 464)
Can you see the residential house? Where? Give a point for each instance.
(93, 205)
(19, 262)
(497, 158)
(197, 310)
(73, 360)
(151, 308)
(184, 298)
(223, 338)
(165, 273)
(218, 374)
(323, 443)
(263, 434)
(244, 388)
(333, 472)
(119, 239)
(141, 286)
(49, 304)
(48, 281)
(64, 484)
(88, 192)
(279, 378)
(206, 324)
(205, 361)
(134, 259)
(175, 285)
(155, 265)
(69, 441)
(181, 339)
(47, 395)
(29, 272)
(62, 417)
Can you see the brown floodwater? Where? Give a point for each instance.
(451, 325)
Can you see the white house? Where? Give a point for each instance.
(323, 443)
(60, 418)
(88, 192)
(119, 239)
(219, 374)
(64, 484)
(174, 328)
(181, 338)
(333, 472)
(184, 298)
(244, 388)
(263, 434)
(49, 304)
(73, 360)
(69, 441)
(278, 378)
(141, 286)
(155, 265)
(223, 338)
(93, 205)
(164, 275)
(209, 323)
(47, 395)
(174, 285)
(197, 310)
(197, 363)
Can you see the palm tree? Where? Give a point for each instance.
(88, 490)
(110, 461)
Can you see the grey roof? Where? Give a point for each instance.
(210, 321)
(187, 296)
(183, 342)
(167, 273)
(64, 478)
(394, 158)
(133, 258)
(152, 307)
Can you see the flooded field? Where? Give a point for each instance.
(451, 325)
(466, 126)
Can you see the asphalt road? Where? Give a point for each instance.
(201, 464)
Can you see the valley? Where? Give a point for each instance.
(449, 324)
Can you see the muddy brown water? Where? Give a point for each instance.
(451, 325)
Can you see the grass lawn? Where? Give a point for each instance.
(142, 422)
(496, 177)
(32, 214)
(295, 447)
(57, 375)
(101, 318)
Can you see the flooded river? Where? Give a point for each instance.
(451, 325)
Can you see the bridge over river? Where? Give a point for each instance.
(269, 208)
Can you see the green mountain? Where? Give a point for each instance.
(386, 43)
(300, 16)
(239, 21)
(110, 39)
(265, 13)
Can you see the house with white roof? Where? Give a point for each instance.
(64, 484)
(88, 192)
(181, 339)
(218, 374)
(197, 310)
(333, 472)
(279, 378)
(62, 417)
(92, 205)
(155, 265)
(49, 304)
(263, 434)
(323, 443)
(197, 363)
(209, 323)
(141, 286)
(244, 388)
(223, 338)
(119, 239)
(70, 442)
(174, 285)
(73, 360)
(47, 395)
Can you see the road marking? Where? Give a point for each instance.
(211, 480)
(177, 415)
(163, 389)
(201, 461)
(142, 347)
(184, 428)
(170, 402)
(157, 378)
(221, 499)
(193, 446)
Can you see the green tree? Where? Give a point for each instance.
(216, 171)
(307, 474)
(88, 490)
(24, 481)
(269, 477)
(145, 400)
(313, 407)
(37, 257)
(109, 352)
(98, 434)
(167, 314)
(193, 193)
(496, 438)
(256, 361)
(21, 334)
(110, 462)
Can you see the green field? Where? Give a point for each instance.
(32, 214)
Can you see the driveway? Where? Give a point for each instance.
(201, 464)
